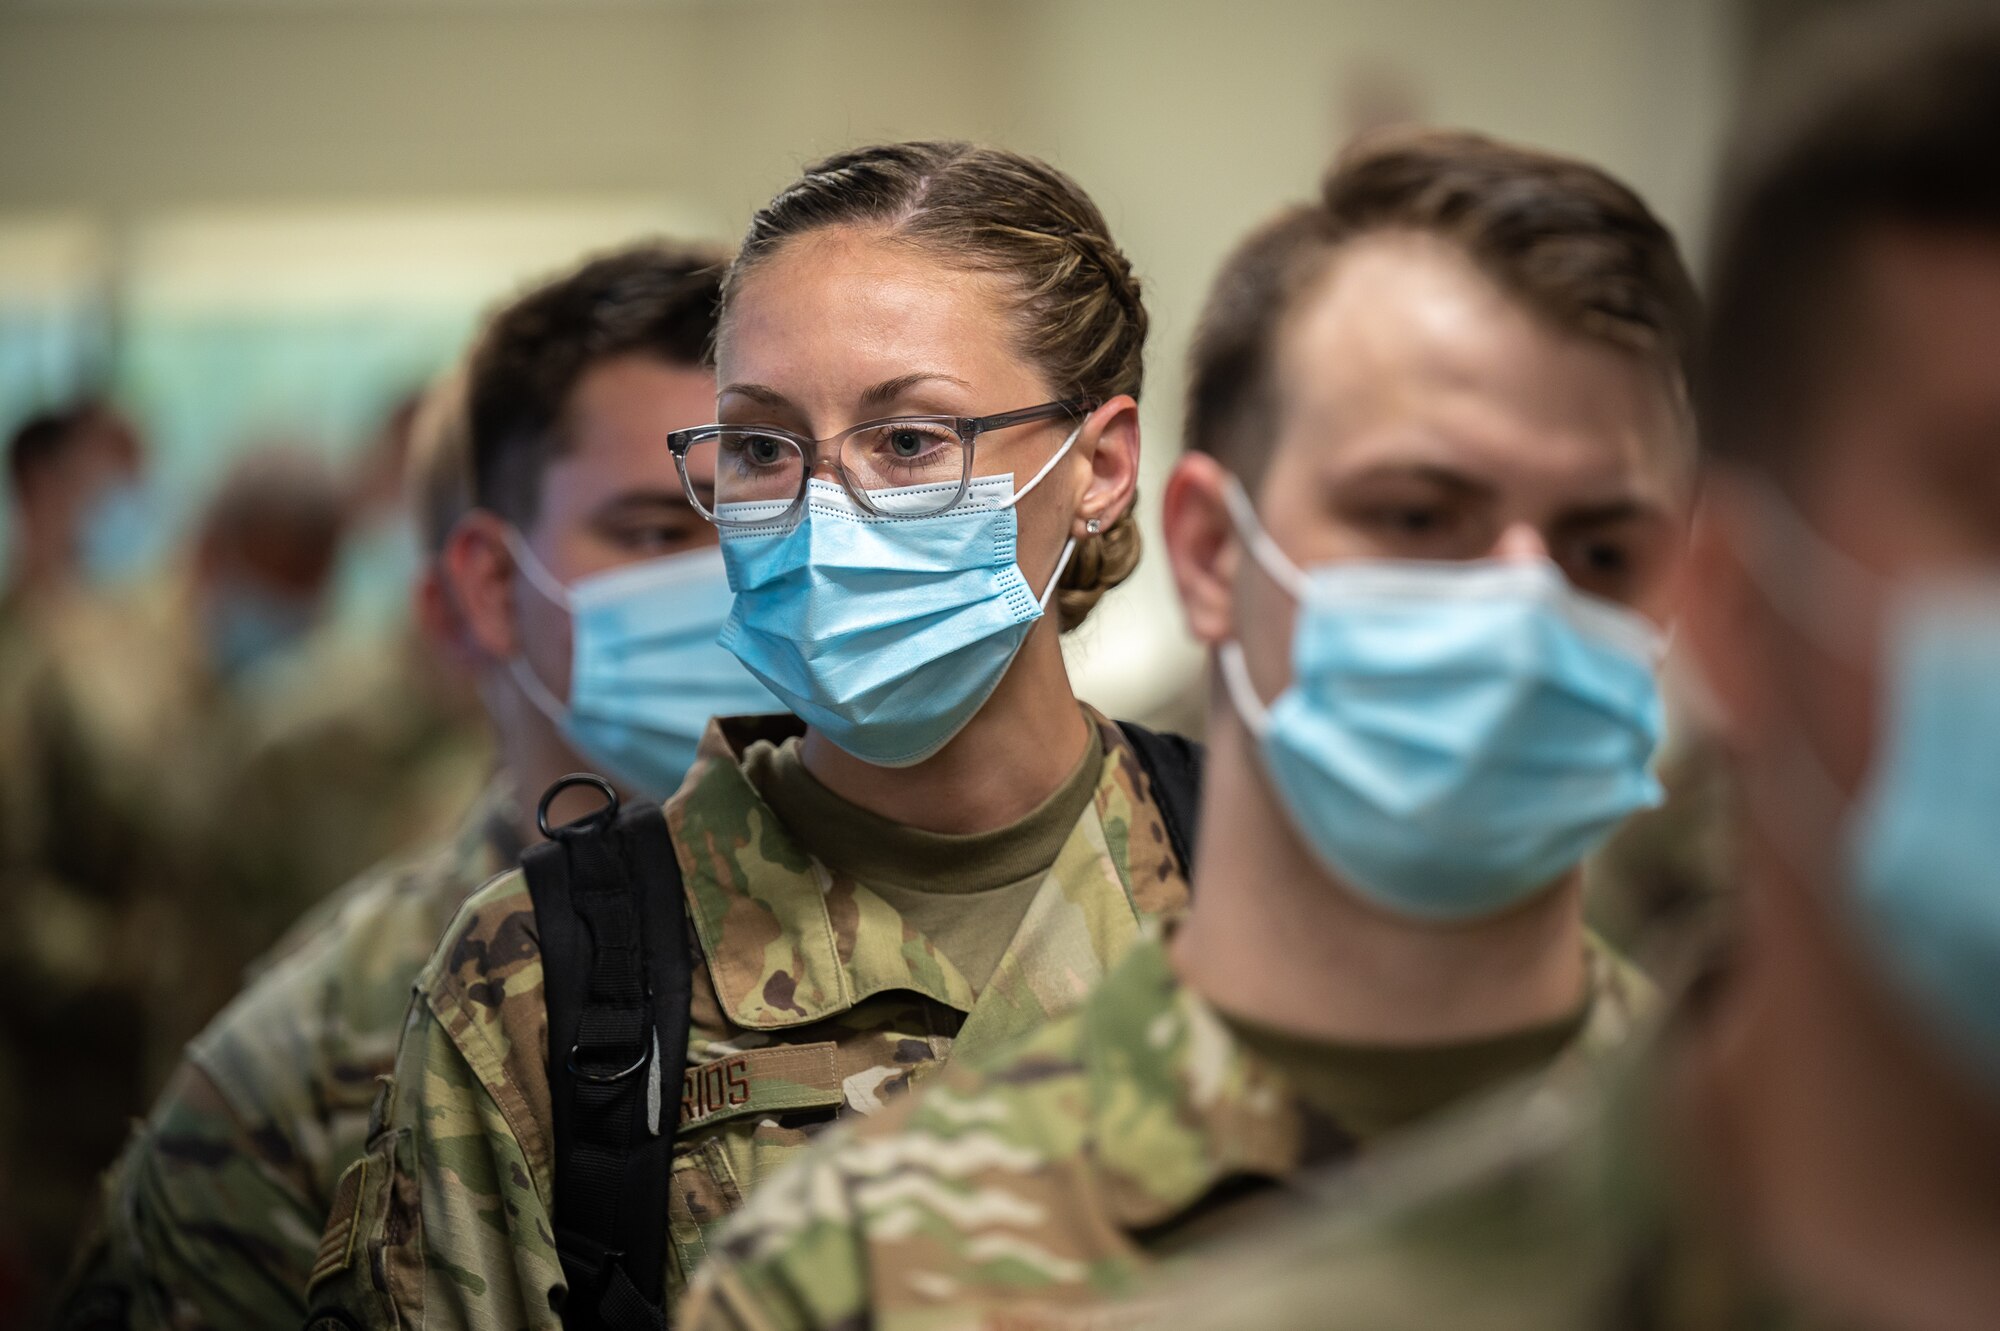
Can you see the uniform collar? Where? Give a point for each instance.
(1212, 1112)
(789, 941)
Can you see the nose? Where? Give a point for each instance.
(1520, 542)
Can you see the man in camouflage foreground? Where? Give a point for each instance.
(1462, 369)
(1814, 1139)
(213, 1216)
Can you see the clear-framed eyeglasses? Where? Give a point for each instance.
(755, 476)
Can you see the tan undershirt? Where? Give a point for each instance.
(967, 894)
(1373, 1089)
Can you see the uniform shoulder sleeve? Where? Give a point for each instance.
(483, 984)
(444, 1221)
(916, 1209)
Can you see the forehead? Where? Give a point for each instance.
(844, 305)
(1932, 305)
(1406, 348)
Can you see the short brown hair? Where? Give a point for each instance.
(655, 299)
(1572, 244)
(1880, 120)
(1080, 317)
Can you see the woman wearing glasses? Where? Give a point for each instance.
(923, 472)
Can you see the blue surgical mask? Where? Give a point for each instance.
(120, 534)
(248, 629)
(1456, 736)
(645, 671)
(886, 634)
(1920, 843)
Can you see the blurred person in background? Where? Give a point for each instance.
(1814, 1139)
(940, 851)
(79, 514)
(371, 741)
(119, 732)
(1430, 525)
(379, 545)
(212, 1218)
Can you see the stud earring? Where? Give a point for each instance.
(1091, 526)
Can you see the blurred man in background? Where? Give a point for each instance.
(1815, 1139)
(74, 487)
(213, 1217)
(119, 731)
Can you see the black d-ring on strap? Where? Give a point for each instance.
(607, 1078)
(601, 817)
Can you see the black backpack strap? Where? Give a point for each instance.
(612, 922)
(1173, 769)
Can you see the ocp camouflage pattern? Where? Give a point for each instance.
(1032, 1189)
(812, 999)
(212, 1216)
(1545, 1212)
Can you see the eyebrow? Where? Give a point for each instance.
(1422, 471)
(1615, 510)
(882, 394)
(629, 500)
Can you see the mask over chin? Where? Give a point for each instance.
(1456, 736)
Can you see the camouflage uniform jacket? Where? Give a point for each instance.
(1572, 1209)
(212, 1216)
(812, 999)
(1025, 1190)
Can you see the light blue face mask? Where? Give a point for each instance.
(885, 634)
(645, 672)
(1456, 736)
(1920, 846)
(248, 629)
(119, 536)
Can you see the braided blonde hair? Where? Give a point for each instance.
(1080, 316)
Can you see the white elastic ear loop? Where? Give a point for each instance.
(1242, 693)
(538, 573)
(1275, 562)
(524, 674)
(1047, 467)
(1779, 537)
(1069, 548)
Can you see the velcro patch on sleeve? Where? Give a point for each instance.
(336, 1243)
(774, 1080)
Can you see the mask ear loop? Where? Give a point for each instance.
(1812, 799)
(523, 674)
(1277, 566)
(1275, 562)
(1047, 467)
(1779, 533)
(1242, 693)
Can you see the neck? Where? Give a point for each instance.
(1274, 938)
(1010, 757)
(533, 754)
(1864, 1169)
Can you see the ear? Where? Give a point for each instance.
(1202, 547)
(440, 623)
(1721, 619)
(477, 573)
(1110, 440)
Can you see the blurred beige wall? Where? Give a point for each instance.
(1188, 121)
